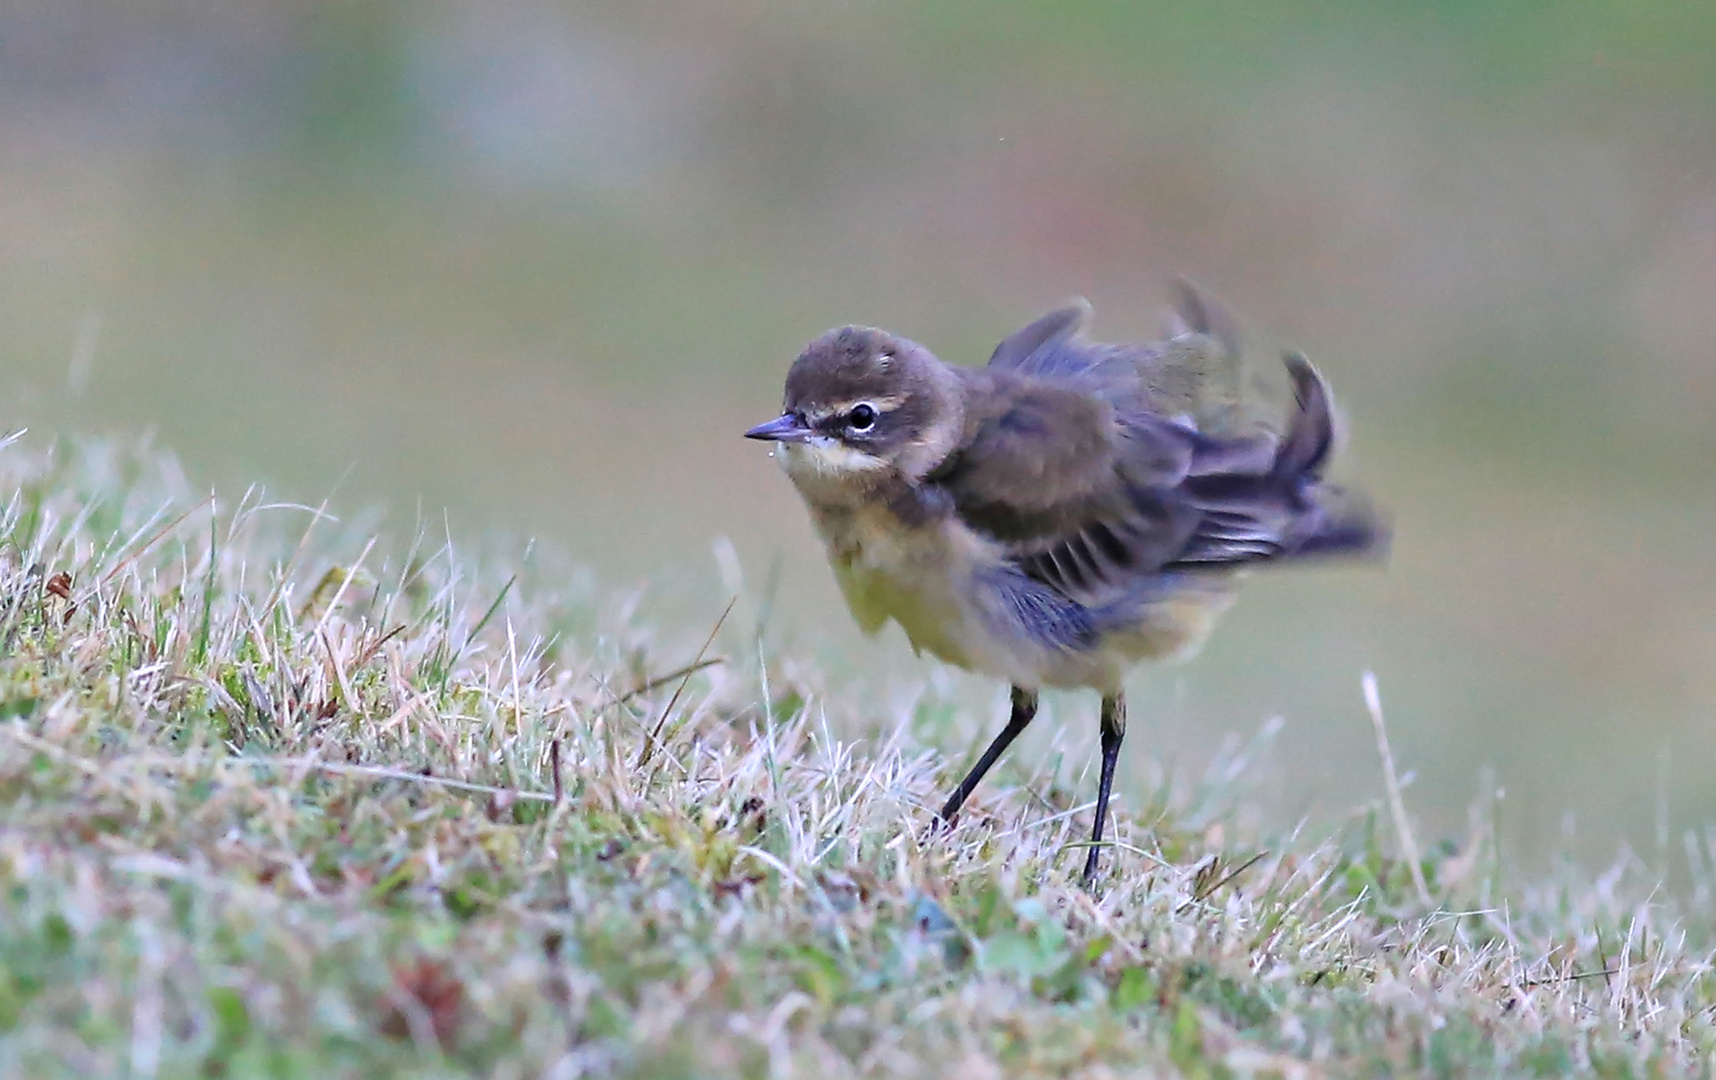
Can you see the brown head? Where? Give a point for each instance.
(862, 404)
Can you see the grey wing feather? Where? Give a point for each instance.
(1201, 313)
(1045, 613)
(1197, 372)
(1029, 349)
(1054, 346)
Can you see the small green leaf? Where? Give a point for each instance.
(1186, 1041)
(1013, 953)
(17, 708)
(56, 933)
(231, 1019)
(819, 974)
(1136, 987)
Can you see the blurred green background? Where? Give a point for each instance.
(540, 263)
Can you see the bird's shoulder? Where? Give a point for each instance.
(1031, 450)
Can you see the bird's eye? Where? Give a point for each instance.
(862, 417)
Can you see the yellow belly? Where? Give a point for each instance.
(932, 618)
(917, 577)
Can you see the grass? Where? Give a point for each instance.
(279, 798)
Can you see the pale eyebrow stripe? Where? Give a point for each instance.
(880, 404)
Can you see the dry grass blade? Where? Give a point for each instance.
(165, 530)
(1396, 802)
(654, 738)
(1204, 892)
(663, 679)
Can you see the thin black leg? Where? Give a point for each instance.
(1024, 708)
(1113, 730)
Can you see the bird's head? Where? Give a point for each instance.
(862, 404)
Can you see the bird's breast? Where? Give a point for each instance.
(918, 575)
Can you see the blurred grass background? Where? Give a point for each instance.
(540, 263)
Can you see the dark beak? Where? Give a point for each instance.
(785, 428)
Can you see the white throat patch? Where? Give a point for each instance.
(828, 467)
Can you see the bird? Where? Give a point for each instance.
(1066, 512)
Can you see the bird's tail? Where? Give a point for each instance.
(1326, 519)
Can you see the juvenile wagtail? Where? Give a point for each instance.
(1069, 510)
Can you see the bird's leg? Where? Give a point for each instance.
(1113, 730)
(1024, 708)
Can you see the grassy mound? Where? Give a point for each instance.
(278, 799)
